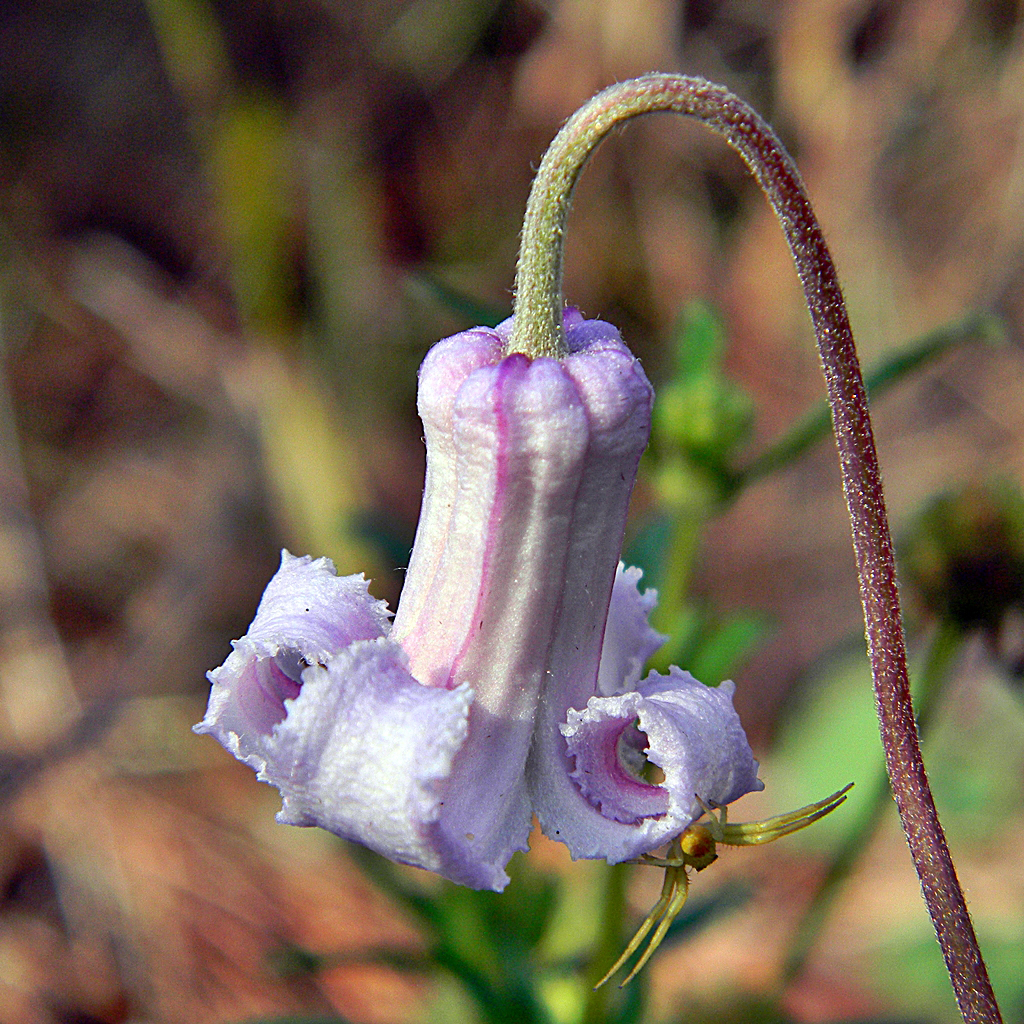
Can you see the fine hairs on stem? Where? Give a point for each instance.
(538, 331)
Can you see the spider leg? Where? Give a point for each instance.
(714, 824)
(658, 862)
(673, 860)
(669, 891)
(695, 847)
(754, 833)
(675, 905)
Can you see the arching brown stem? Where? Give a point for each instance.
(538, 331)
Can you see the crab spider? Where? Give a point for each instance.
(696, 848)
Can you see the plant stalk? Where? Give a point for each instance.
(538, 331)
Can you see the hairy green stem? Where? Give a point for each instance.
(538, 331)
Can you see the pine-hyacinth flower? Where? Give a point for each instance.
(509, 682)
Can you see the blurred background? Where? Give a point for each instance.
(228, 234)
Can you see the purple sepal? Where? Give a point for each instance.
(688, 730)
(586, 766)
(307, 614)
(365, 751)
(629, 639)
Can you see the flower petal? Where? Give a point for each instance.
(531, 480)
(307, 599)
(697, 740)
(480, 603)
(618, 399)
(442, 373)
(629, 639)
(307, 614)
(689, 730)
(605, 744)
(365, 750)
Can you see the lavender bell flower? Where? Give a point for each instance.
(509, 682)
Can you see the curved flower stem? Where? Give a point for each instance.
(539, 331)
(931, 684)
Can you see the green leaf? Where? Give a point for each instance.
(700, 413)
(979, 326)
(725, 647)
(699, 341)
(457, 302)
(685, 631)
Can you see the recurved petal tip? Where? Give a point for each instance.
(365, 750)
(629, 639)
(307, 614)
(689, 731)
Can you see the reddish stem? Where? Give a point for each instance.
(538, 330)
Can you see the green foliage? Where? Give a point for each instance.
(701, 416)
(711, 647)
(487, 941)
